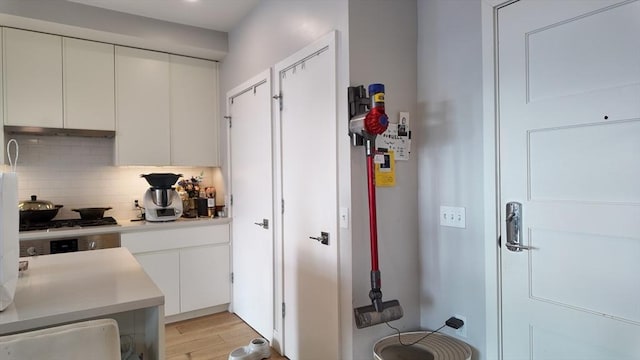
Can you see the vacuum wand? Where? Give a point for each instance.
(374, 123)
(375, 294)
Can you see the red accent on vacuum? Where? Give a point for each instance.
(376, 121)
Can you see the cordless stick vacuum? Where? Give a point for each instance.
(365, 127)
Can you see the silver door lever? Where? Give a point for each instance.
(264, 224)
(323, 238)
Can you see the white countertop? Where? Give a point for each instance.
(133, 226)
(123, 227)
(75, 286)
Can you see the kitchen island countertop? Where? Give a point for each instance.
(76, 286)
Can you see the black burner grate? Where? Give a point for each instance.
(64, 223)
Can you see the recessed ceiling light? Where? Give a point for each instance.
(191, 1)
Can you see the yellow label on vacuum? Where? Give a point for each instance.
(379, 97)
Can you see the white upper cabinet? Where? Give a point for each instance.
(143, 110)
(88, 85)
(163, 108)
(32, 71)
(194, 112)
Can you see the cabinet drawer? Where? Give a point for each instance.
(166, 239)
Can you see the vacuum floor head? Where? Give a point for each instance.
(368, 316)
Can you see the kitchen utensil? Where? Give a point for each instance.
(13, 162)
(203, 209)
(35, 204)
(161, 180)
(92, 213)
(35, 210)
(154, 209)
(161, 201)
(161, 196)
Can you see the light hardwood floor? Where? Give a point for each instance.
(210, 337)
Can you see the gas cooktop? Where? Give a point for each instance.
(67, 223)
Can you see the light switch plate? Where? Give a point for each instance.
(453, 216)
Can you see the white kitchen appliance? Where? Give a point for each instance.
(161, 201)
(153, 211)
(9, 241)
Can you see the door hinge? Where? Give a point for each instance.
(232, 277)
(282, 206)
(228, 118)
(279, 98)
(499, 241)
(231, 200)
(283, 310)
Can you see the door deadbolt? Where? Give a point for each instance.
(513, 217)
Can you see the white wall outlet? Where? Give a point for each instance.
(135, 203)
(453, 216)
(462, 331)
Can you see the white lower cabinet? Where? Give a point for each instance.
(164, 269)
(190, 265)
(204, 277)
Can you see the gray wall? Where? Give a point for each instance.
(447, 275)
(450, 164)
(383, 48)
(273, 31)
(378, 45)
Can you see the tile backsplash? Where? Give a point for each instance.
(78, 172)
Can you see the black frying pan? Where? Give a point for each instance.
(92, 213)
(36, 216)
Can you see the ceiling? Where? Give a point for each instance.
(220, 15)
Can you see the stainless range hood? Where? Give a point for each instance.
(32, 130)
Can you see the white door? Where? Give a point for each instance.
(249, 107)
(569, 95)
(306, 83)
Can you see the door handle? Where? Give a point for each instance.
(264, 224)
(514, 227)
(323, 238)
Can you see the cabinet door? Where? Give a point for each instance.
(88, 85)
(204, 277)
(142, 107)
(164, 269)
(194, 112)
(32, 79)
